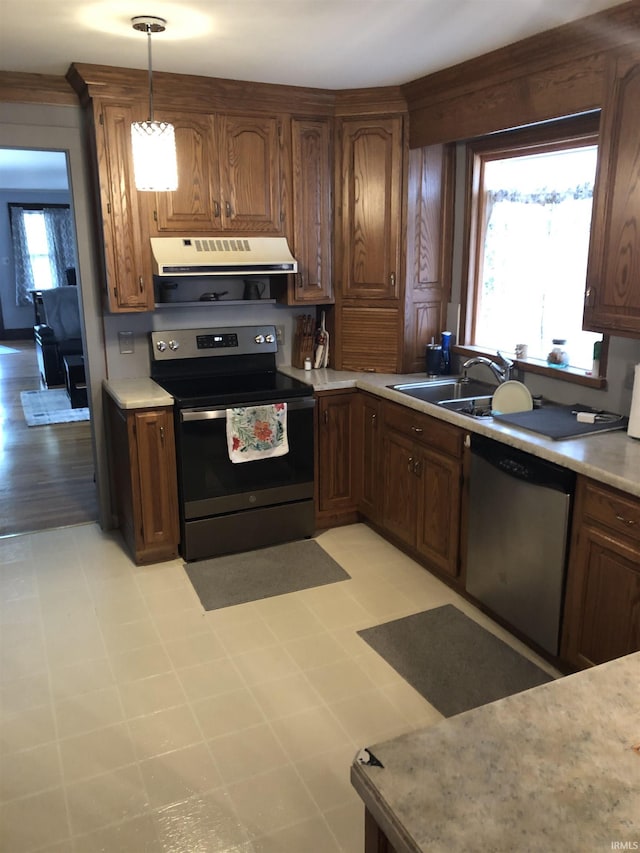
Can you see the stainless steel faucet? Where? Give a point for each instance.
(501, 370)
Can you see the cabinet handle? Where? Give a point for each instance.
(216, 209)
(228, 208)
(628, 521)
(326, 416)
(300, 281)
(374, 419)
(410, 467)
(392, 280)
(162, 436)
(141, 283)
(417, 468)
(417, 430)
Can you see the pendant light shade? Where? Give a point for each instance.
(155, 166)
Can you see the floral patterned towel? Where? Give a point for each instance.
(257, 432)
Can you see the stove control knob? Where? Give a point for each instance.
(259, 339)
(174, 345)
(270, 339)
(161, 346)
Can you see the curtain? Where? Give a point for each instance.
(60, 246)
(21, 259)
(61, 242)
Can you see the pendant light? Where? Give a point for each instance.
(155, 164)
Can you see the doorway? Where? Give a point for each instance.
(47, 471)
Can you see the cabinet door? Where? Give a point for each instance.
(369, 472)
(612, 301)
(399, 477)
(335, 453)
(311, 154)
(371, 207)
(156, 470)
(438, 513)
(602, 610)
(195, 206)
(126, 248)
(251, 174)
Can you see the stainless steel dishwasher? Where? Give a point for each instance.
(519, 516)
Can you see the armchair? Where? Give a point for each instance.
(59, 335)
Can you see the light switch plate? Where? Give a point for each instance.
(126, 342)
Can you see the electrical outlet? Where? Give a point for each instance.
(280, 335)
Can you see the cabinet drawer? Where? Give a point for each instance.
(423, 428)
(615, 510)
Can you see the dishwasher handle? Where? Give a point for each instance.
(523, 466)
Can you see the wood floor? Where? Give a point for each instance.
(46, 472)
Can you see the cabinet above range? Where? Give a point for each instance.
(247, 164)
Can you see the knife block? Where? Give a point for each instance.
(303, 346)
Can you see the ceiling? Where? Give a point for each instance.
(333, 44)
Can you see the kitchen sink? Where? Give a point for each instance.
(447, 390)
(475, 407)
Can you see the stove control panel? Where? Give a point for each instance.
(208, 343)
(216, 341)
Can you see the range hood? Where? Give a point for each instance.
(224, 256)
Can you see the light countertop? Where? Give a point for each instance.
(554, 768)
(141, 393)
(612, 457)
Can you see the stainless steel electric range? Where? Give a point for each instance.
(228, 507)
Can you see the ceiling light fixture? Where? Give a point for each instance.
(155, 164)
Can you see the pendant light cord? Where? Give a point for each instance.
(150, 73)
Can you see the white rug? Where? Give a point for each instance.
(50, 407)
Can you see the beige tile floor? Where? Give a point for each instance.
(131, 720)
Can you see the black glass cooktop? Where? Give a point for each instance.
(227, 390)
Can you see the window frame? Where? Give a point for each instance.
(574, 132)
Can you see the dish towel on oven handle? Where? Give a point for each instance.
(257, 432)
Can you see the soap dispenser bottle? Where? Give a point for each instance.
(446, 353)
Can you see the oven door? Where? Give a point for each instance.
(211, 485)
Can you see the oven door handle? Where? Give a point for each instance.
(214, 414)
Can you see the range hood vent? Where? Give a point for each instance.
(224, 256)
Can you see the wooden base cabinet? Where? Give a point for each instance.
(335, 458)
(144, 482)
(422, 475)
(368, 450)
(602, 605)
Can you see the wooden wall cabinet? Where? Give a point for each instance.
(369, 237)
(422, 473)
(336, 499)
(372, 169)
(612, 299)
(388, 310)
(127, 258)
(230, 176)
(602, 604)
(311, 143)
(141, 449)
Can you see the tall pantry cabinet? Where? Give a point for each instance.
(389, 301)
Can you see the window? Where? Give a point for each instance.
(43, 247)
(532, 194)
